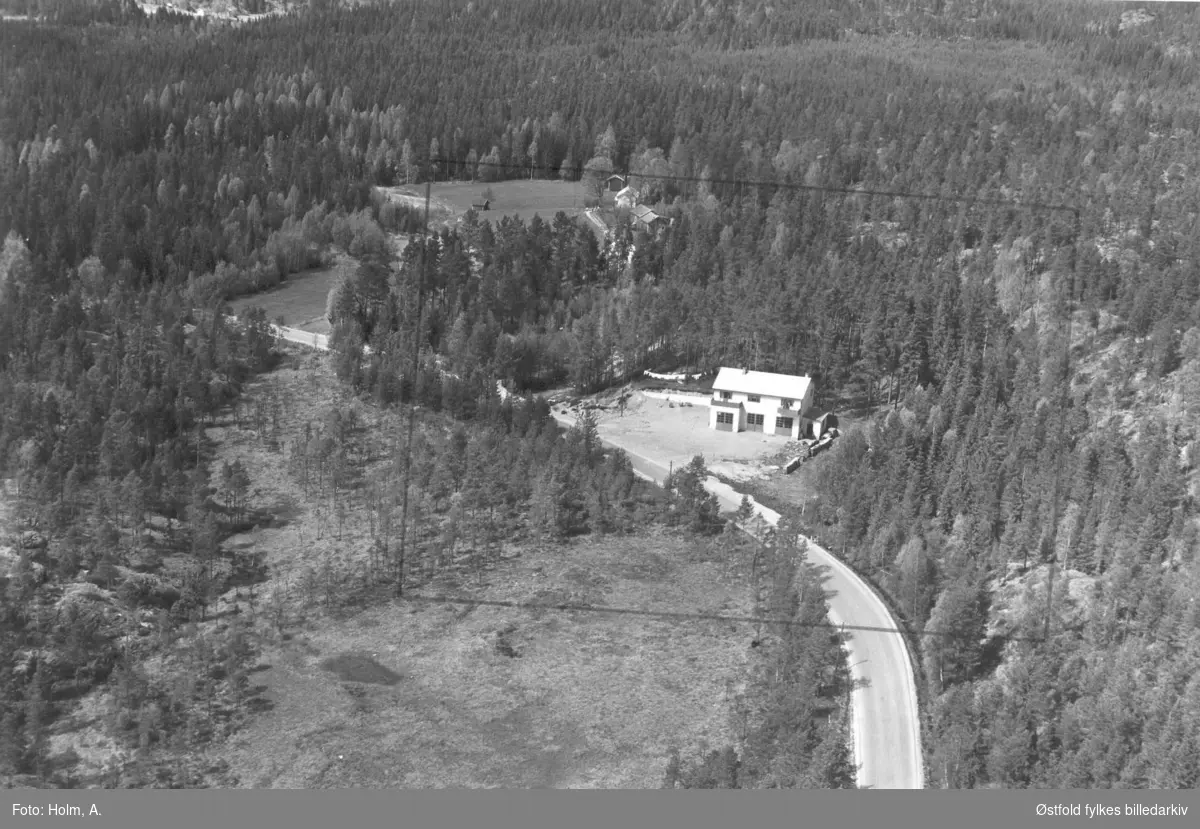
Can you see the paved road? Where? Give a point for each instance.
(887, 735)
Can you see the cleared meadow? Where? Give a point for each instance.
(420, 695)
(301, 298)
(520, 198)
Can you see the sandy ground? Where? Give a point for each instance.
(677, 433)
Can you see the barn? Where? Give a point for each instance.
(646, 217)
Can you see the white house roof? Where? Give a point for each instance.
(764, 383)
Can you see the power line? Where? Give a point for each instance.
(579, 170)
(1015, 204)
(685, 616)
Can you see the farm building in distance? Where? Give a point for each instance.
(615, 183)
(759, 401)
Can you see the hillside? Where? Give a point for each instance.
(974, 223)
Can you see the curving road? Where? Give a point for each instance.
(887, 723)
(886, 719)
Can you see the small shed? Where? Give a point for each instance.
(483, 205)
(616, 183)
(824, 423)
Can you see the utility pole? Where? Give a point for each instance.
(412, 399)
(1062, 428)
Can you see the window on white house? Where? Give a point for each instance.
(726, 395)
(753, 398)
(783, 423)
(725, 417)
(754, 420)
(787, 404)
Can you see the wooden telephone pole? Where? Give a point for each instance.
(412, 398)
(1062, 430)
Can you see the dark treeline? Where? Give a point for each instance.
(154, 167)
(791, 722)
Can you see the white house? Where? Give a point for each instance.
(759, 401)
(626, 199)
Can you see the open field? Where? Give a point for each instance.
(300, 299)
(216, 10)
(419, 695)
(522, 198)
(449, 696)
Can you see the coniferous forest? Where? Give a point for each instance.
(976, 222)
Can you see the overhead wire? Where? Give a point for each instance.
(679, 615)
(579, 171)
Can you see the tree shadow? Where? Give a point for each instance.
(991, 655)
(248, 568)
(280, 513)
(259, 704)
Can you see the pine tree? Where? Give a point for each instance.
(957, 623)
(832, 765)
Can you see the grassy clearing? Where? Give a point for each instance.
(300, 299)
(302, 535)
(522, 198)
(795, 489)
(415, 694)
(499, 697)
